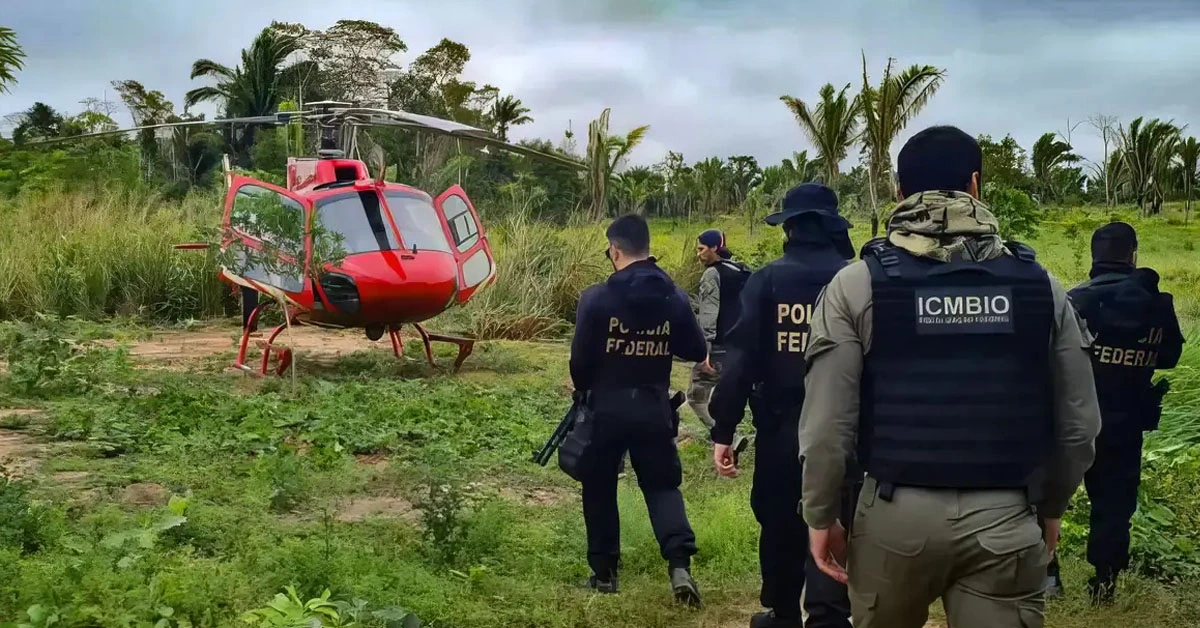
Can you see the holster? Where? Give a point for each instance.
(576, 454)
(677, 400)
(1152, 414)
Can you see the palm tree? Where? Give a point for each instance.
(832, 125)
(12, 58)
(509, 112)
(252, 88)
(801, 169)
(1189, 156)
(886, 109)
(712, 177)
(1048, 158)
(634, 188)
(1147, 150)
(604, 154)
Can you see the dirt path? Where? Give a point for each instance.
(181, 349)
(18, 451)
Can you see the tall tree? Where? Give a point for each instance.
(1003, 162)
(354, 58)
(744, 174)
(832, 125)
(801, 169)
(886, 109)
(1106, 128)
(1049, 157)
(1189, 159)
(39, 122)
(12, 58)
(251, 88)
(432, 84)
(605, 153)
(509, 112)
(1147, 149)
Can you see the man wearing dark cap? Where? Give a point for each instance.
(1136, 332)
(955, 367)
(717, 308)
(626, 331)
(765, 367)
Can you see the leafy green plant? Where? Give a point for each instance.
(445, 517)
(284, 469)
(289, 610)
(24, 523)
(136, 543)
(1019, 215)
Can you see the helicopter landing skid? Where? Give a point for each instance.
(268, 346)
(465, 345)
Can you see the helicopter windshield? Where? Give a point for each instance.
(356, 222)
(417, 221)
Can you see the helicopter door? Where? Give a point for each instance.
(266, 245)
(476, 266)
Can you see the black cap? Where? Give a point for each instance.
(810, 198)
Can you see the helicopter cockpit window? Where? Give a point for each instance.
(417, 221)
(269, 216)
(355, 223)
(277, 222)
(462, 222)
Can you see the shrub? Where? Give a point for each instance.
(1018, 214)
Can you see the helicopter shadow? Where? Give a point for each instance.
(371, 363)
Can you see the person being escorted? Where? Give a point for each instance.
(627, 330)
(718, 306)
(765, 367)
(955, 365)
(1136, 331)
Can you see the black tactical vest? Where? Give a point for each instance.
(957, 388)
(733, 278)
(794, 283)
(1125, 349)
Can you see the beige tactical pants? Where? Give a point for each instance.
(981, 552)
(701, 387)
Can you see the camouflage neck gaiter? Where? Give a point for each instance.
(946, 226)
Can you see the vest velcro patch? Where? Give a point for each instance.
(964, 310)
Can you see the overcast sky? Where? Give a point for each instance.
(706, 75)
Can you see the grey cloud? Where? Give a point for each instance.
(705, 74)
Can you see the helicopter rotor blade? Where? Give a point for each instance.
(283, 117)
(383, 117)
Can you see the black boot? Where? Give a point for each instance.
(603, 586)
(684, 587)
(767, 619)
(1102, 588)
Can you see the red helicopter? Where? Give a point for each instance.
(340, 249)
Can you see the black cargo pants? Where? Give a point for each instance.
(641, 423)
(784, 559)
(1112, 487)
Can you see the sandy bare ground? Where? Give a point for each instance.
(18, 451)
(181, 349)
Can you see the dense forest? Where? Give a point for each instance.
(1145, 161)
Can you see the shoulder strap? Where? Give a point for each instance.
(735, 266)
(1021, 251)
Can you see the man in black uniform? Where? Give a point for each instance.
(1136, 332)
(765, 366)
(626, 331)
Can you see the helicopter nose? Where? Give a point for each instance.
(401, 287)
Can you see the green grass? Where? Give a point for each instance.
(284, 483)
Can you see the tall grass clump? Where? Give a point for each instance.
(107, 253)
(541, 269)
